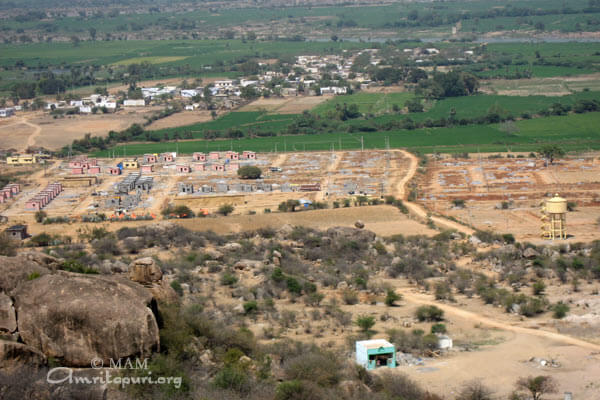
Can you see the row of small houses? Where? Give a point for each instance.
(149, 168)
(198, 156)
(44, 197)
(9, 191)
(223, 187)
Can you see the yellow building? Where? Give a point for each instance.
(131, 164)
(21, 159)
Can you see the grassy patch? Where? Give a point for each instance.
(151, 60)
(572, 132)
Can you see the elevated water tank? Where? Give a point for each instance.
(556, 205)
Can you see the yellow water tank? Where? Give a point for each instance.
(556, 205)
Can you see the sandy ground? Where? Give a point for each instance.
(41, 129)
(181, 119)
(416, 209)
(555, 86)
(485, 183)
(383, 220)
(502, 344)
(285, 105)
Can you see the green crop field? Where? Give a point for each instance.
(193, 52)
(368, 103)
(378, 104)
(476, 106)
(244, 121)
(572, 132)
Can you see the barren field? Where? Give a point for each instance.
(21, 131)
(180, 119)
(285, 105)
(556, 86)
(522, 184)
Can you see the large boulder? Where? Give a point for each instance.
(245, 264)
(145, 271)
(162, 292)
(13, 354)
(530, 253)
(214, 254)
(76, 318)
(343, 232)
(15, 270)
(8, 319)
(232, 247)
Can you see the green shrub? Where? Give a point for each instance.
(438, 328)
(365, 322)
(316, 365)
(249, 172)
(508, 238)
(532, 307)
(40, 216)
(177, 288)
(430, 342)
(277, 275)
(539, 287)
(232, 378)
(443, 291)
(225, 209)
(392, 297)
(314, 299)
(293, 285)
(429, 313)
(33, 275)
(560, 310)
(8, 246)
(76, 266)
(458, 203)
(228, 279)
(290, 390)
(349, 296)
(250, 307)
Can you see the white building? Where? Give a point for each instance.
(134, 103)
(189, 93)
(7, 112)
(334, 90)
(245, 83)
(224, 84)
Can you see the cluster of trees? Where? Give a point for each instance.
(415, 18)
(451, 84)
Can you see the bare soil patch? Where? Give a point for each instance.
(285, 105)
(181, 119)
(522, 184)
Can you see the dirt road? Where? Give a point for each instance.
(425, 300)
(326, 181)
(416, 209)
(36, 132)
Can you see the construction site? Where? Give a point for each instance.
(143, 186)
(509, 195)
(486, 192)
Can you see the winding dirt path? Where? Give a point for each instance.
(326, 181)
(36, 132)
(416, 209)
(426, 300)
